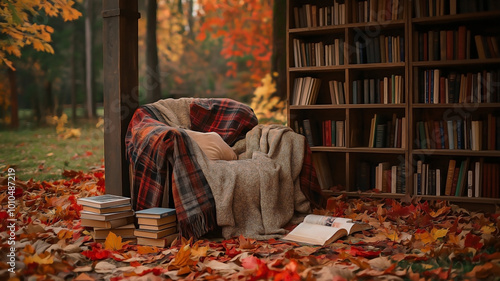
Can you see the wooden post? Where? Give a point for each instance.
(120, 58)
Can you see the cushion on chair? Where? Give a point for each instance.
(212, 145)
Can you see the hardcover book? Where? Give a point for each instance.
(103, 201)
(155, 213)
(125, 231)
(161, 242)
(323, 230)
(156, 234)
(107, 224)
(150, 221)
(108, 210)
(106, 217)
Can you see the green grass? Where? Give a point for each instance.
(42, 154)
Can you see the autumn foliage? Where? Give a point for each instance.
(20, 27)
(409, 240)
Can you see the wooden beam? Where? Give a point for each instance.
(120, 58)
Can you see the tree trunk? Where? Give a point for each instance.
(73, 77)
(153, 83)
(88, 59)
(278, 63)
(14, 106)
(49, 99)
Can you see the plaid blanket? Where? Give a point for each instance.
(151, 141)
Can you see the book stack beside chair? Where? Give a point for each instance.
(157, 227)
(108, 213)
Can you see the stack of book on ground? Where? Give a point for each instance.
(157, 227)
(108, 213)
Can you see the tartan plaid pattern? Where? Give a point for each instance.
(151, 143)
(229, 118)
(309, 184)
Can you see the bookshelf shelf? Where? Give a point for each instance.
(457, 105)
(460, 18)
(385, 140)
(457, 152)
(358, 150)
(450, 63)
(375, 66)
(333, 68)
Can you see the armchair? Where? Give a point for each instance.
(270, 183)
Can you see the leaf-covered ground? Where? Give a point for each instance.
(408, 241)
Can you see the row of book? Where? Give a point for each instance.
(455, 44)
(379, 49)
(313, 16)
(382, 176)
(111, 213)
(305, 90)
(471, 87)
(487, 47)
(387, 133)
(378, 10)
(322, 133)
(386, 90)
(318, 53)
(459, 134)
(431, 8)
(444, 44)
(460, 178)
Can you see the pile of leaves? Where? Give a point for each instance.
(408, 241)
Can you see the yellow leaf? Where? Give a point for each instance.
(487, 229)
(436, 234)
(197, 251)
(38, 259)
(425, 237)
(113, 242)
(393, 236)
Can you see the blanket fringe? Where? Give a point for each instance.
(197, 225)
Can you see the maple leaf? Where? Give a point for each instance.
(438, 233)
(114, 242)
(182, 258)
(144, 250)
(97, 254)
(246, 243)
(44, 258)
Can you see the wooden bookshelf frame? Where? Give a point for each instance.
(412, 110)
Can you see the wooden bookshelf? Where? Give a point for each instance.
(385, 45)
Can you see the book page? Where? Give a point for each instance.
(336, 222)
(326, 220)
(315, 234)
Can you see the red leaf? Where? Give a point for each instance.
(473, 241)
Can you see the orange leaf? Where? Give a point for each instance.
(113, 242)
(64, 234)
(246, 243)
(183, 258)
(143, 250)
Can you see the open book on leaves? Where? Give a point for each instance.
(323, 230)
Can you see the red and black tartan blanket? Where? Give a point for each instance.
(152, 140)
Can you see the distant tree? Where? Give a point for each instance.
(20, 26)
(153, 82)
(246, 30)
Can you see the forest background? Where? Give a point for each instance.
(51, 71)
(51, 56)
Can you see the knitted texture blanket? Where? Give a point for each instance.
(256, 196)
